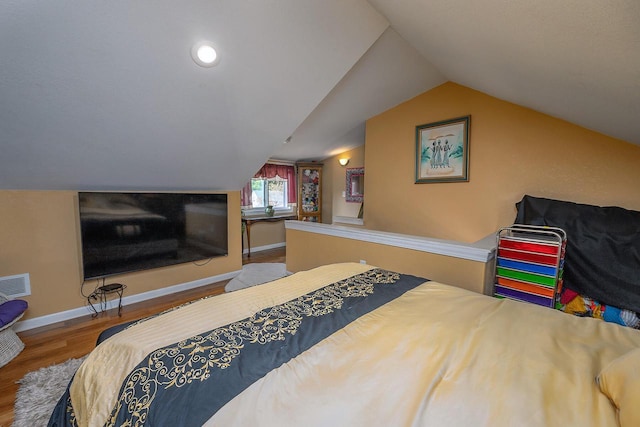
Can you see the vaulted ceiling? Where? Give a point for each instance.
(105, 95)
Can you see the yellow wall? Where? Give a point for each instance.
(39, 231)
(335, 184)
(308, 250)
(265, 234)
(513, 151)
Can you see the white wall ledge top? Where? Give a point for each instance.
(337, 219)
(452, 248)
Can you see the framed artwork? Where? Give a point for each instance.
(354, 192)
(442, 151)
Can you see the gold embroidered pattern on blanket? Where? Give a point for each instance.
(192, 359)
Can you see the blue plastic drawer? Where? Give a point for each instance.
(528, 267)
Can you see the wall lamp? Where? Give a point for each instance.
(343, 162)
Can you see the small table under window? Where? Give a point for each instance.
(248, 221)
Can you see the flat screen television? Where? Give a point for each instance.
(127, 232)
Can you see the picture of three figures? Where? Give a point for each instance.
(442, 151)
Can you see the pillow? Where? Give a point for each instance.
(11, 309)
(620, 382)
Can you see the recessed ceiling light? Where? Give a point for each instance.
(204, 54)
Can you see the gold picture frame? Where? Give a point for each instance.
(442, 151)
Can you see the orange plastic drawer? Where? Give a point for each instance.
(526, 287)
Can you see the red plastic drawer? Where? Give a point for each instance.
(520, 245)
(538, 258)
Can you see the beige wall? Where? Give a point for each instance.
(39, 231)
(265, 234)
(513, 151)
(335, 179)
(330, 168)
(308, 250)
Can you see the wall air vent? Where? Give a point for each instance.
(15, 286)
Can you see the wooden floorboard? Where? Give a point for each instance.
(74, 338)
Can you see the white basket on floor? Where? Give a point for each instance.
(10, 343)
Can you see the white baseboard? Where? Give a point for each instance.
(83, 311)
(265, 247)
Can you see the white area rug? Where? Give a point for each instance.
(40, 391)
(256, 274)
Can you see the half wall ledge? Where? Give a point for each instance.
(469, 266)
(469, 251)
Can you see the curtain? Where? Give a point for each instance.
(269, 170)
(245, 195)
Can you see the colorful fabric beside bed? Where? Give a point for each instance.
(579, 305)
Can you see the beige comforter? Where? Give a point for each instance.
(436, 356)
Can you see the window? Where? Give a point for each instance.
(274, 185)
(269, 191)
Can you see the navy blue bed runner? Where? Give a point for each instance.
(185, 383)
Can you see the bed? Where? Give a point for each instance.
(355, 345)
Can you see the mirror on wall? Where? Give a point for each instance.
(355, 185)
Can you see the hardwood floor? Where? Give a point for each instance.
(76, 337)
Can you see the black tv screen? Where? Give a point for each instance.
(126, 232)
